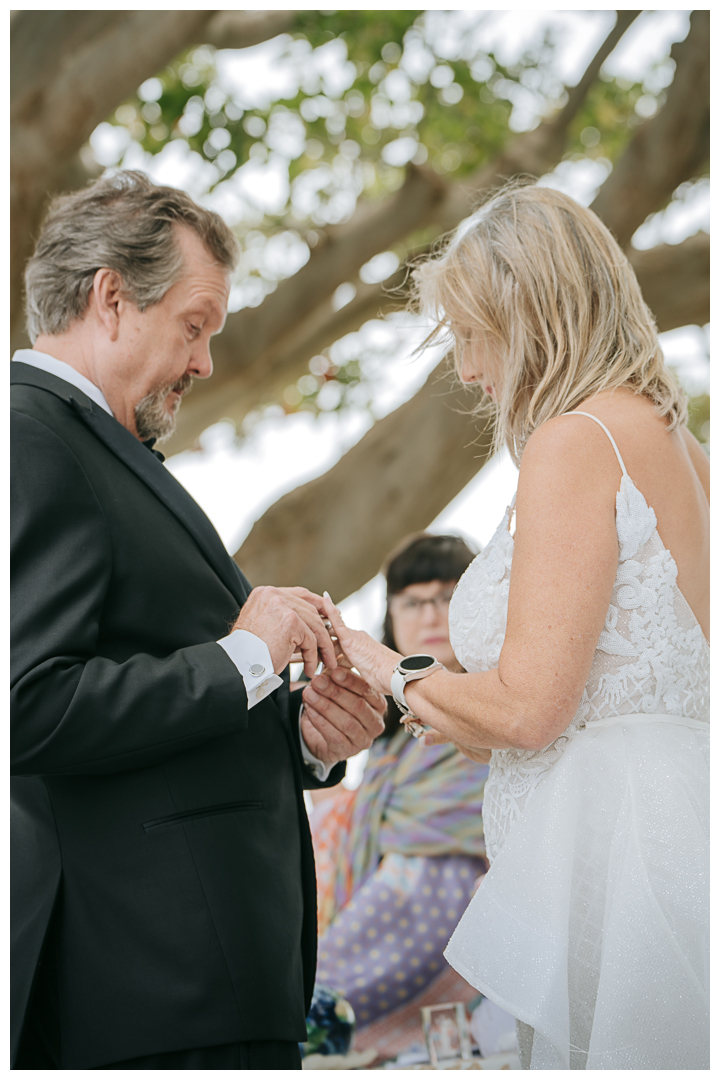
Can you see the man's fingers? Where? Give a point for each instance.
(350, 680)
(353, 693)
(312, 620)
(314, 741)
(342, 660)
(359, 730)
(335, 714)
(307, 596)
(308, 647)
(284, 618)
(328, 691)
(327, 648)
(337, 745)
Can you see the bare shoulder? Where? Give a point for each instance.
(571, 450)
(569, 477)
(630, 419)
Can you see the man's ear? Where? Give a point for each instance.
(106, 294)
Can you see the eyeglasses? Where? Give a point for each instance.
(410, 607)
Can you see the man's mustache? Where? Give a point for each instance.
(182, 386)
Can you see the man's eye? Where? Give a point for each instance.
(195, 329)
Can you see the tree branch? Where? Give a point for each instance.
(675, 281)
(256, 348)
(670, 147)
(534, 152)
(241, 29)
(70, 69)
(40, 43)
(395, 480)
(93, 79)
(251, 334)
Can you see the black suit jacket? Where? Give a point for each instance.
(158, 820)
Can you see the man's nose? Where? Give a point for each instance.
(201, 365)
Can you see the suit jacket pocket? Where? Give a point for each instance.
(201, 812)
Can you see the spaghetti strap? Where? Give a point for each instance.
(578, 412)
(511, 513)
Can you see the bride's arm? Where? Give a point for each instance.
(563, 571)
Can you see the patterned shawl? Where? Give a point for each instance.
(412, 800)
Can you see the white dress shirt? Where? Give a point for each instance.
(248, 652)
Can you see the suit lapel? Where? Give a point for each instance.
(148, 468)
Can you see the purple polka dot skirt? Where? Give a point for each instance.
(387, 943)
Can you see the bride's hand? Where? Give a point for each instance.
(374, 661)
(474, 753)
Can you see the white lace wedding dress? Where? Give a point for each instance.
(591, 927)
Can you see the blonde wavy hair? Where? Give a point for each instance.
(543, 281)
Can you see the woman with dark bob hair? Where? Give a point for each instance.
(584, 638)
(397, 859)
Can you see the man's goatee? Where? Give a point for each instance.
(152, 419)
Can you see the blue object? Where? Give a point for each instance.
(330, 1023)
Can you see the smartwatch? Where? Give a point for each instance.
(416, 666)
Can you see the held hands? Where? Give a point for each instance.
(376, 662)
(343, 711)
(343, 715)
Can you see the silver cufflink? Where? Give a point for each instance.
(257, 669)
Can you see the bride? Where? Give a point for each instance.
(584, 639)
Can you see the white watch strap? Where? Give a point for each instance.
(397, 686)
(398, 679)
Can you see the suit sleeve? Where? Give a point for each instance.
(73, 710)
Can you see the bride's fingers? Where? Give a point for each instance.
(336, 620)
(297, 658)
(434, 738)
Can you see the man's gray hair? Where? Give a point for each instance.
(124, 222)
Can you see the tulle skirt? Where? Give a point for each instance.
(592, 925)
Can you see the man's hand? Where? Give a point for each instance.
(288, 621)
(342, 715)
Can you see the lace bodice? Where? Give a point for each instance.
(652, 656)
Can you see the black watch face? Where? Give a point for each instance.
(417, 662)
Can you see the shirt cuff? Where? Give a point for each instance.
(318, 768)
(251, 657)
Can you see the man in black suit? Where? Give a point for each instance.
(164, 911)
